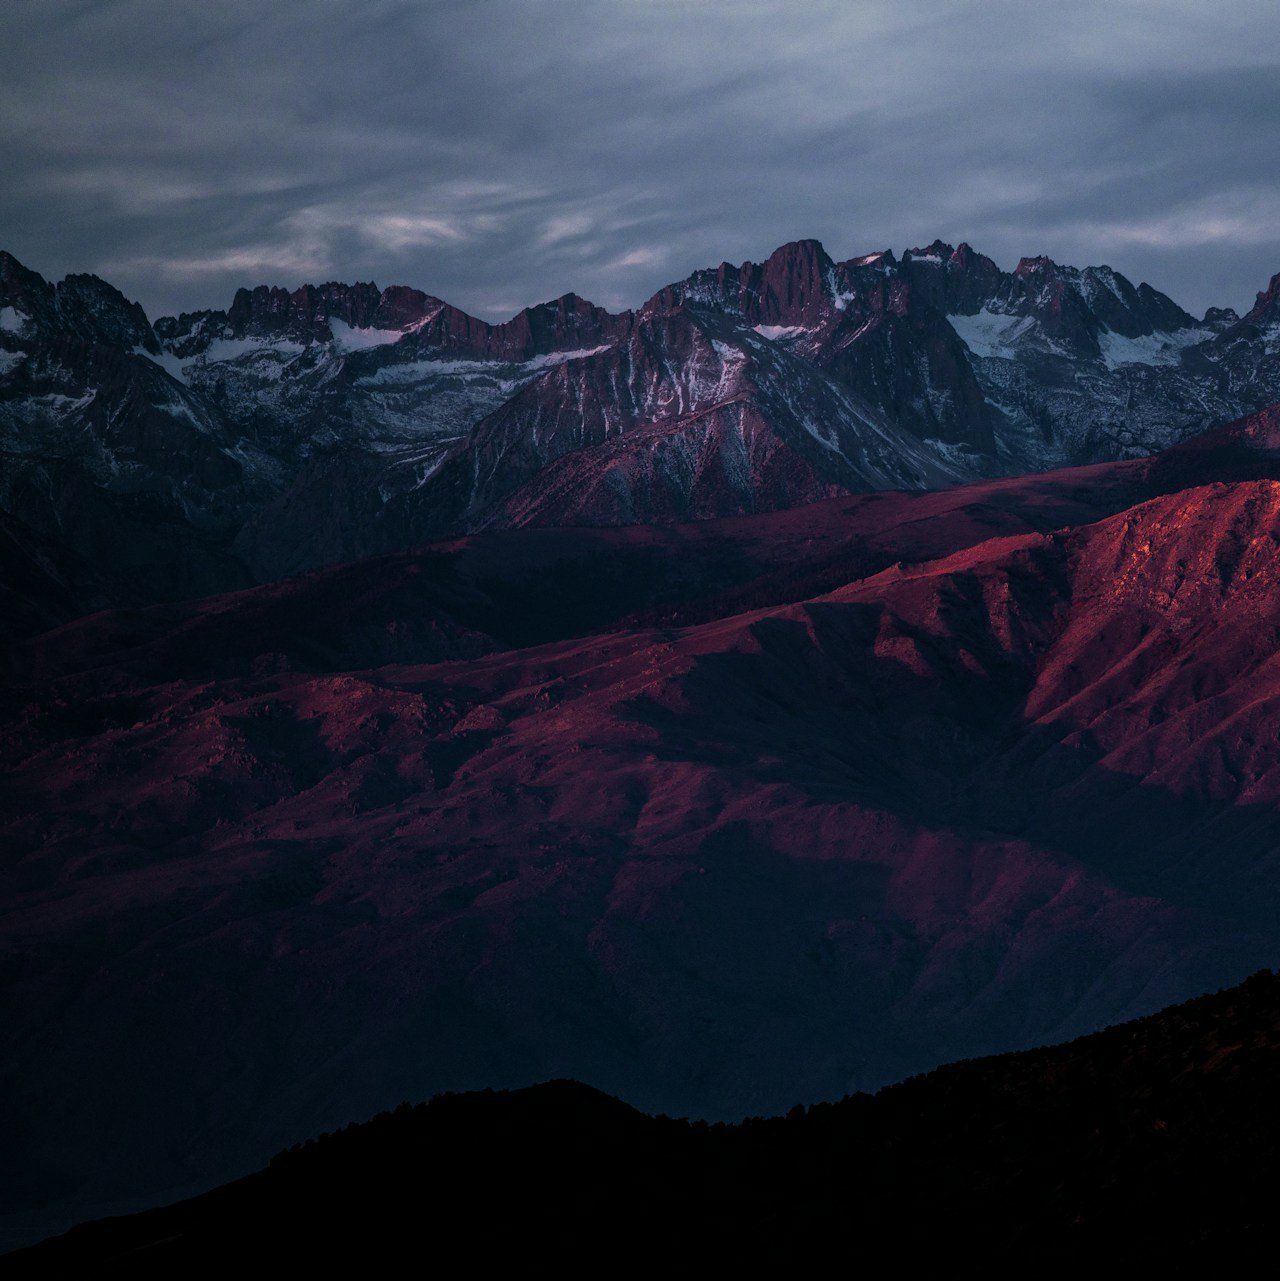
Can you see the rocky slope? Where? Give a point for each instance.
(107, 461)
(297, 429)
(716, 818)
(1150, 1143)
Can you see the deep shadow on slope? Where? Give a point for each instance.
(720, 870)
(1149, 1144)
(527, 587)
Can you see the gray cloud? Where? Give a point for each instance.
(498, 152)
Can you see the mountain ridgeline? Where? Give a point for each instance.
(297, 429)
(1151, 1143)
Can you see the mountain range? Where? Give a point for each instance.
(297, 429)
(826, 671)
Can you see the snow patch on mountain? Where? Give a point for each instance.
(993, 334)
(224, 350)
(13, 321)
(732, 361)
(841, 298)
(177, 409)
(776, 333)
(56, 403)
(411, 371)
(348, 338)
(171, 364)
(563, 357)
(1150, 349)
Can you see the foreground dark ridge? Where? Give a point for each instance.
(1152, 1141)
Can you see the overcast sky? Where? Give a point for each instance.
(501, 152)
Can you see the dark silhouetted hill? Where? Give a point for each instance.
(1149, 1145)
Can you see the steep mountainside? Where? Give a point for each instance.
(715, 818)
(107, 461)
(298, 429)
(1151, 1143)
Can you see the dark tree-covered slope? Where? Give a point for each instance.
(1151, 1144)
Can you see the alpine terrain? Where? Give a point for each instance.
(295, 430)
(826, 671)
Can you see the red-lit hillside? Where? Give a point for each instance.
(715, 819)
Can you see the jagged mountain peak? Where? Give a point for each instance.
(936, 253)
(304, 314)
(18, 281)
(82, 306)
(1039, 265)
(966, 256)
(1266, 307)
(313, 314)
(1220, 318)
(569, 322)
(564, 304)
(792, 286)
(794, 282)
(93, 308)
(25, 298)
(364, 305)
(804, 254)
(1073, 306)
